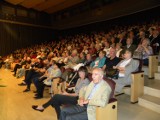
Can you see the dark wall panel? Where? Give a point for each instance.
(14, 36)
(110, 11)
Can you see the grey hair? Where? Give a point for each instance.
(148, 41)
(101, 72)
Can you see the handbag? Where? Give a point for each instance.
(112, 73)
(137, 55)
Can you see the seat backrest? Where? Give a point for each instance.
(112, 84)
(62, 69)
(90, 77)
(140, 64)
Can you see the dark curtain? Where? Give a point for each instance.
(14, 36)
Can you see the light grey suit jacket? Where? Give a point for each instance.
(100, 97)
(132, 66)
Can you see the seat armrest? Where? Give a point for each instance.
(109, 112)
(137, 72)
(112, 100)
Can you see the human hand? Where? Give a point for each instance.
(114, 67)
(64, 93)
(155, 44)
(85, 101)
(121, 68)
(80, 102)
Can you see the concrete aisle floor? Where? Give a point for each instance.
(16, 105)
(128, 111)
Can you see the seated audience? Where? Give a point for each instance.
(155, 41)
(100, 61)
(145, 50)
(8, 61)
(121, 39)
(66, 98)
(73, 59)
(22, 67)
(129, 45)
(96, 94)
(118, 49)
(40, 82)
(19, 65)
(110, 62)
(88, 60)
(85, 49)
(113, 42)
(35, 71)
(92, 49)
(142, 36)
(107, 48)
(125, 68)
(82, 57)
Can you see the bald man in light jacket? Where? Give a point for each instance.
(95, 94)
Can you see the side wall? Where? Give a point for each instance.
(14, 36)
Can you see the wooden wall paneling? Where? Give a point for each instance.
(48, 4)
(15, 2)
(31, 3)
(63, 5)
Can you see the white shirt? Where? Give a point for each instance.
(123, 64)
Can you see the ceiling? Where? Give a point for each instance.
(49, 6)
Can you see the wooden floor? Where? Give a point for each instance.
(16, 105)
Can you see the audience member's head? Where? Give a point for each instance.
(128, 54)
(82, 72)
(106, 44)
(129, 41)
(155, 33)
(82, 55)
(146, 42)
(97, 75)
(102, 54)
(142, 34)
(151, 29)
(118, 46)
(88, 57)
(112, 52)
(46, 61)
(74, 53)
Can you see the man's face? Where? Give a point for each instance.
(106, 44)
(97, 76)
(129, 41)
(141, 34)
(112, 52)
(127, 55)
(88, 57)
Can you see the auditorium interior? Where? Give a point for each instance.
(44, 44)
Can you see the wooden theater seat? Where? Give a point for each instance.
(55, 88)
(152, 67)
(137, 84)
(109, 112)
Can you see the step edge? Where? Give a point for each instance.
(150, 100)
